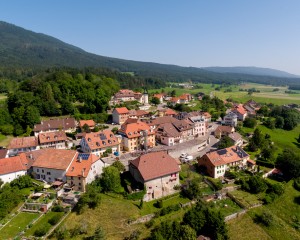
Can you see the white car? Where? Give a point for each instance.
(187, 159)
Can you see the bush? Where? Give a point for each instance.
(265, 218)
(57, 208)
(269, 198)
(54, 220)
(169, 209)
(159, 204)
(135, 196)
(41, 231)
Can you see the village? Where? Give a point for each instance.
(156, 144)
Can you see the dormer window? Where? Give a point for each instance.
(89, 139)
(103, 142)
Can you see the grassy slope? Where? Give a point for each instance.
(17, 225)
(42, 222)
(4, 140)
(112, 214)
(283, 209)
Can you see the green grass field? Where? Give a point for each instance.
(42, 222)
(266, 94)
(283, 209)
(4, 140)
(17, 225)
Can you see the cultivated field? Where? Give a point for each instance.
(267, 93)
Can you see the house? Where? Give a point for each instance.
(51, 164)
(183, 99)
(230, 119)
(136, 135)
(83, 170)
(197, 119)
(217, 162)
(3, 152)
(138, 114)
(126, 95)
(207, 116)
(56, 140)
(160, 96)
(22, 144)
(252, 107)
(159, 173)
(236, 139)
(53, 125)
(240, 111)
(90, 123)
(120, 115)
(13, 167)
(167, 112)
(99, 142)
(223, 131)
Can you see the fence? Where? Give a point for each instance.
(235, 215)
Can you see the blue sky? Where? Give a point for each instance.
(196, 33)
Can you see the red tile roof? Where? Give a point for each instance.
(49, 137)
(90, 123)
(154, 165)
(13, 164)
(53, 158)
(122, 110)
(23, 142)
(133, 130)
(81, 168)
(101, 139)
(240, 109)
(226, 155)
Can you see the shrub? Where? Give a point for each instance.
(159, 203)
(265, 218)
(41, 231)
(54, 220)
(269, 198)
(57, 208)
(297, 183)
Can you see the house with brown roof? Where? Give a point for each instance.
(98, 142)
(120, 115)
(83, 170)
(223, 131)
(159, 173)
(13, 167)
(51, 164)
(138, 114)
(167, 112)
(236, 138)
(90, 123)
(53, 125)
(22, 144)
(136, 135)
(160, 96)
(217, 162)
(251, 107)
(57, 140)
(171, 131)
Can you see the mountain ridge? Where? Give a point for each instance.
(27, 49)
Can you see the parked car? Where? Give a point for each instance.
(187, 159)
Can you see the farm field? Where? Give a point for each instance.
(284, 210)
(266, 94)
(17, 225)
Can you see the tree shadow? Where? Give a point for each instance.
(297, 144)
(297, 200)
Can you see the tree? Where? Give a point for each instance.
(270, 123)
(196, 217)
(110, 180)
(279, 122)
(250, 122)
(225, 142)
(257, 184)
(86, 128)
(289, 163)
(173, 93)
(187, 233)
(120, 166)
(155, 101)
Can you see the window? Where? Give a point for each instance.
(71, 178)
(78, 178)
(38, 170)
(42, 170)
(79, 184)
(48, 173)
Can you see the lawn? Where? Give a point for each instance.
(284, 210)
(43, 222)
(247, 199)
(226, 206)
(149, 207)
(4, 140)
(17, 225)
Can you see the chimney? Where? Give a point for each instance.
(30, 156)
(80, 159)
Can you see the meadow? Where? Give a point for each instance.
(268, 94)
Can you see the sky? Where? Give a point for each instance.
(198, 33)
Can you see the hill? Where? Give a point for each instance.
(24, 49)
(252, 71)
